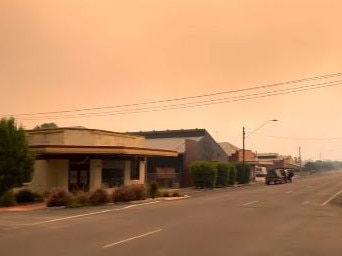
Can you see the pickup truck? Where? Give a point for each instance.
(276, 176)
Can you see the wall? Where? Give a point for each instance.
(238, 156)
(95, 175)
(49, 174)
(83, 137)
(127, 175)
(53, 137)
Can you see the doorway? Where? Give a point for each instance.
(79, 174)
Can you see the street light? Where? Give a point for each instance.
(244, 137)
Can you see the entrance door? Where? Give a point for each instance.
(79, 174)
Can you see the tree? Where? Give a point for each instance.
(46, 126)
(16, 161)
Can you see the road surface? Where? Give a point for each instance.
(301, 218)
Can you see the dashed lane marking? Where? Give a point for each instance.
(132, 238)
(250, 203)
(331, 198)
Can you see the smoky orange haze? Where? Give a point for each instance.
(66, 55)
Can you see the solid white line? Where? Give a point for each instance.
(134, 205)
(288, 192)
(70, 217)
(132, 238)
(250, 203)
(331, 198)
(87, 214)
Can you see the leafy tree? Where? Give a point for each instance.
(16, 161)
(46, 126)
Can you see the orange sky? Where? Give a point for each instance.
(76, 54)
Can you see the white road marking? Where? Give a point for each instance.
(250, 203)
(69, 217)
(135, 205)
(288, 192)
(132, 238)
(84, 215)
(331, 198)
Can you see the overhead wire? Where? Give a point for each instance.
(196, 103)
(41, 114)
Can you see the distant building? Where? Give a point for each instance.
(238, 156)
(191, 144)
(228, 148)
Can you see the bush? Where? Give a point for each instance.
(8, 199)
(123, 194)
(27, 196)
(204, 174)
(98, 197)
(73, 202)
(153, 189)
(81, 197)
(232, 175)
(222, 174)
(165, 194)
(59, 197)
(140, 191)
(176, 194)
(243, 173)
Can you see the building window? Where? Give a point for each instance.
(135, 169)
(112, 177)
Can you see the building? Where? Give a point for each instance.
(228, 148)
(80, 158)
(238, 156)
(191, 144)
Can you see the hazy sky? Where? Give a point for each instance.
(78, 54)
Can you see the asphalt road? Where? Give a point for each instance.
(301, 218)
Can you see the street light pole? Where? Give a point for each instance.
(244, 138)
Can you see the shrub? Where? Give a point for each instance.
(232, 175)
(243, 173)
(27, 196)
(222, 174)
(165, 194)
(153, 189)
(8, 199)
(81, 197)
(98, 197)
(204, 174)
(123, 194)
(73, 202)
(59, 197)
(140, 191)
(176, 194)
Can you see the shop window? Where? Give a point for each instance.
(112, 177)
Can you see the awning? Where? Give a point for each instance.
(100, 150)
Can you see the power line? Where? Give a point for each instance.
(299, 138)
(184, 98)
(196, 104)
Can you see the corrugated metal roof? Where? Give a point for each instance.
(228, 148)
(177, 144)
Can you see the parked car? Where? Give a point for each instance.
(276, 176)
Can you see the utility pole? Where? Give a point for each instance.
(243, 147)
(300, 160)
